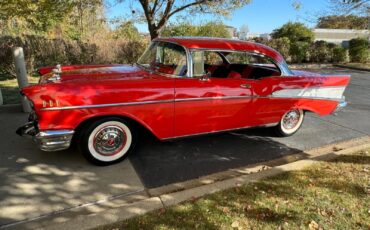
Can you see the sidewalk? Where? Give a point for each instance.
(35, 183)
(118, 209)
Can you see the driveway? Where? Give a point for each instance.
(35, 183)
(163, 163)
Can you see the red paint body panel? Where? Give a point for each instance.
(48, 69)
(171, 106)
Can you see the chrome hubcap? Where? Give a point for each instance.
(109, 140)
(291, 119)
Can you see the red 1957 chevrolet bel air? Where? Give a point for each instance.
(179, 87)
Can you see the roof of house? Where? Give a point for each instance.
(224, 44)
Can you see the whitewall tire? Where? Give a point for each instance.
(290, 123)
(108, 141)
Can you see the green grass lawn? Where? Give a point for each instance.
(329, 195)
(10, 90)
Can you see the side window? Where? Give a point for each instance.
(212, 58)
(248, 58)
(252, 65)
(238, 58)
(198, 63)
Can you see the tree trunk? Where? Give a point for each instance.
(154, 33)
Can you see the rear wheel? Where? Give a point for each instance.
(108, 141)
(290, 123)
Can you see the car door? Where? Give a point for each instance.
(204, 104)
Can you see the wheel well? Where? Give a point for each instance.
(78, 131)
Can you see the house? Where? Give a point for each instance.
(340, 36)
(232, 31)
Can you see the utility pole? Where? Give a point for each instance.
(20, 69)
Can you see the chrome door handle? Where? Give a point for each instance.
(246, 86)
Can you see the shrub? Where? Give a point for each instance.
(282, 45)
(359, 50)
(320, 52)
(340, 54)
(129, 52)
(40, 51)
(299, 51)
(295, 32)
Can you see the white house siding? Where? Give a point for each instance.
(339, 36)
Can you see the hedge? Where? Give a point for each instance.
(359, 50)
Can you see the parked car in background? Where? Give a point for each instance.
(179, 87)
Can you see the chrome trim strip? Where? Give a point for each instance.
(180, 100)
(144, 102)
(211, 98)
(220, 131)
(106, 105)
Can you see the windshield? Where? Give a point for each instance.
(164, 57)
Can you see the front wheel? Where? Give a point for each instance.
(290, 123)
(108, 141)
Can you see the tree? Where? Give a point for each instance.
(210, 29)
(294, 32)
(343, 22)
(75, 18)
(157, 12)
(127, 30)
(38, 15)
(345, 7)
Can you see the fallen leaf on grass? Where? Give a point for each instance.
(225, 210)
(313, 225)
(235, 224)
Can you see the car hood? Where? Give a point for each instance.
(108, 72)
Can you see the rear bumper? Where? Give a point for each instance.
(340, 106)
(47, 140)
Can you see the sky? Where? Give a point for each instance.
(261, 16)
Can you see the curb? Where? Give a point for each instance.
(309, 66)
(106, 213)
(353, 67)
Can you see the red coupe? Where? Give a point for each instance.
(179, 87)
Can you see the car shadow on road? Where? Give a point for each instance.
(161, 163)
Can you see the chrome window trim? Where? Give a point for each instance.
(282, 67)
(188, 62)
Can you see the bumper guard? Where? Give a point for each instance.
(340, 106)
(47, 140)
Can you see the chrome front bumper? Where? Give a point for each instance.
(47, 140)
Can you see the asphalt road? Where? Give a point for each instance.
(159, 163)
(35, 183)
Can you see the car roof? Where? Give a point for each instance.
(224, 44)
